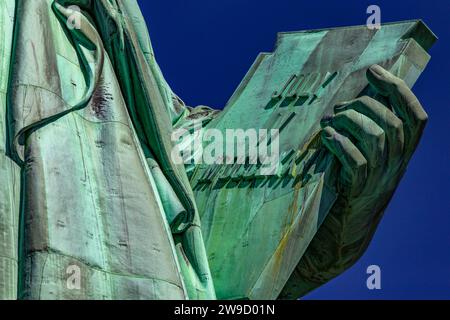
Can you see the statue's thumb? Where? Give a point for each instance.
(381, 80)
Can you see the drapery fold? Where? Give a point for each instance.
(89, 200)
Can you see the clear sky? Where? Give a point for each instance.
(205, 47)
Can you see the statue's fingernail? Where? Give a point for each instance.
(327, 134)
(326, 120)
(341, 106)
(377, 70)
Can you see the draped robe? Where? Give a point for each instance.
(86, 130)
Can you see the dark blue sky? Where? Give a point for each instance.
(205, 47)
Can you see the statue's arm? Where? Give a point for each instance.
(373, 142)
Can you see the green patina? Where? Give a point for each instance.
(88, 178)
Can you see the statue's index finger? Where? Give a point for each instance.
(403, 100)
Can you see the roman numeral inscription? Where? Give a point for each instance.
(301, 89)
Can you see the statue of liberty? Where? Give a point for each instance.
(90, 191)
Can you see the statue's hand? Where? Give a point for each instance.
(374, 141)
